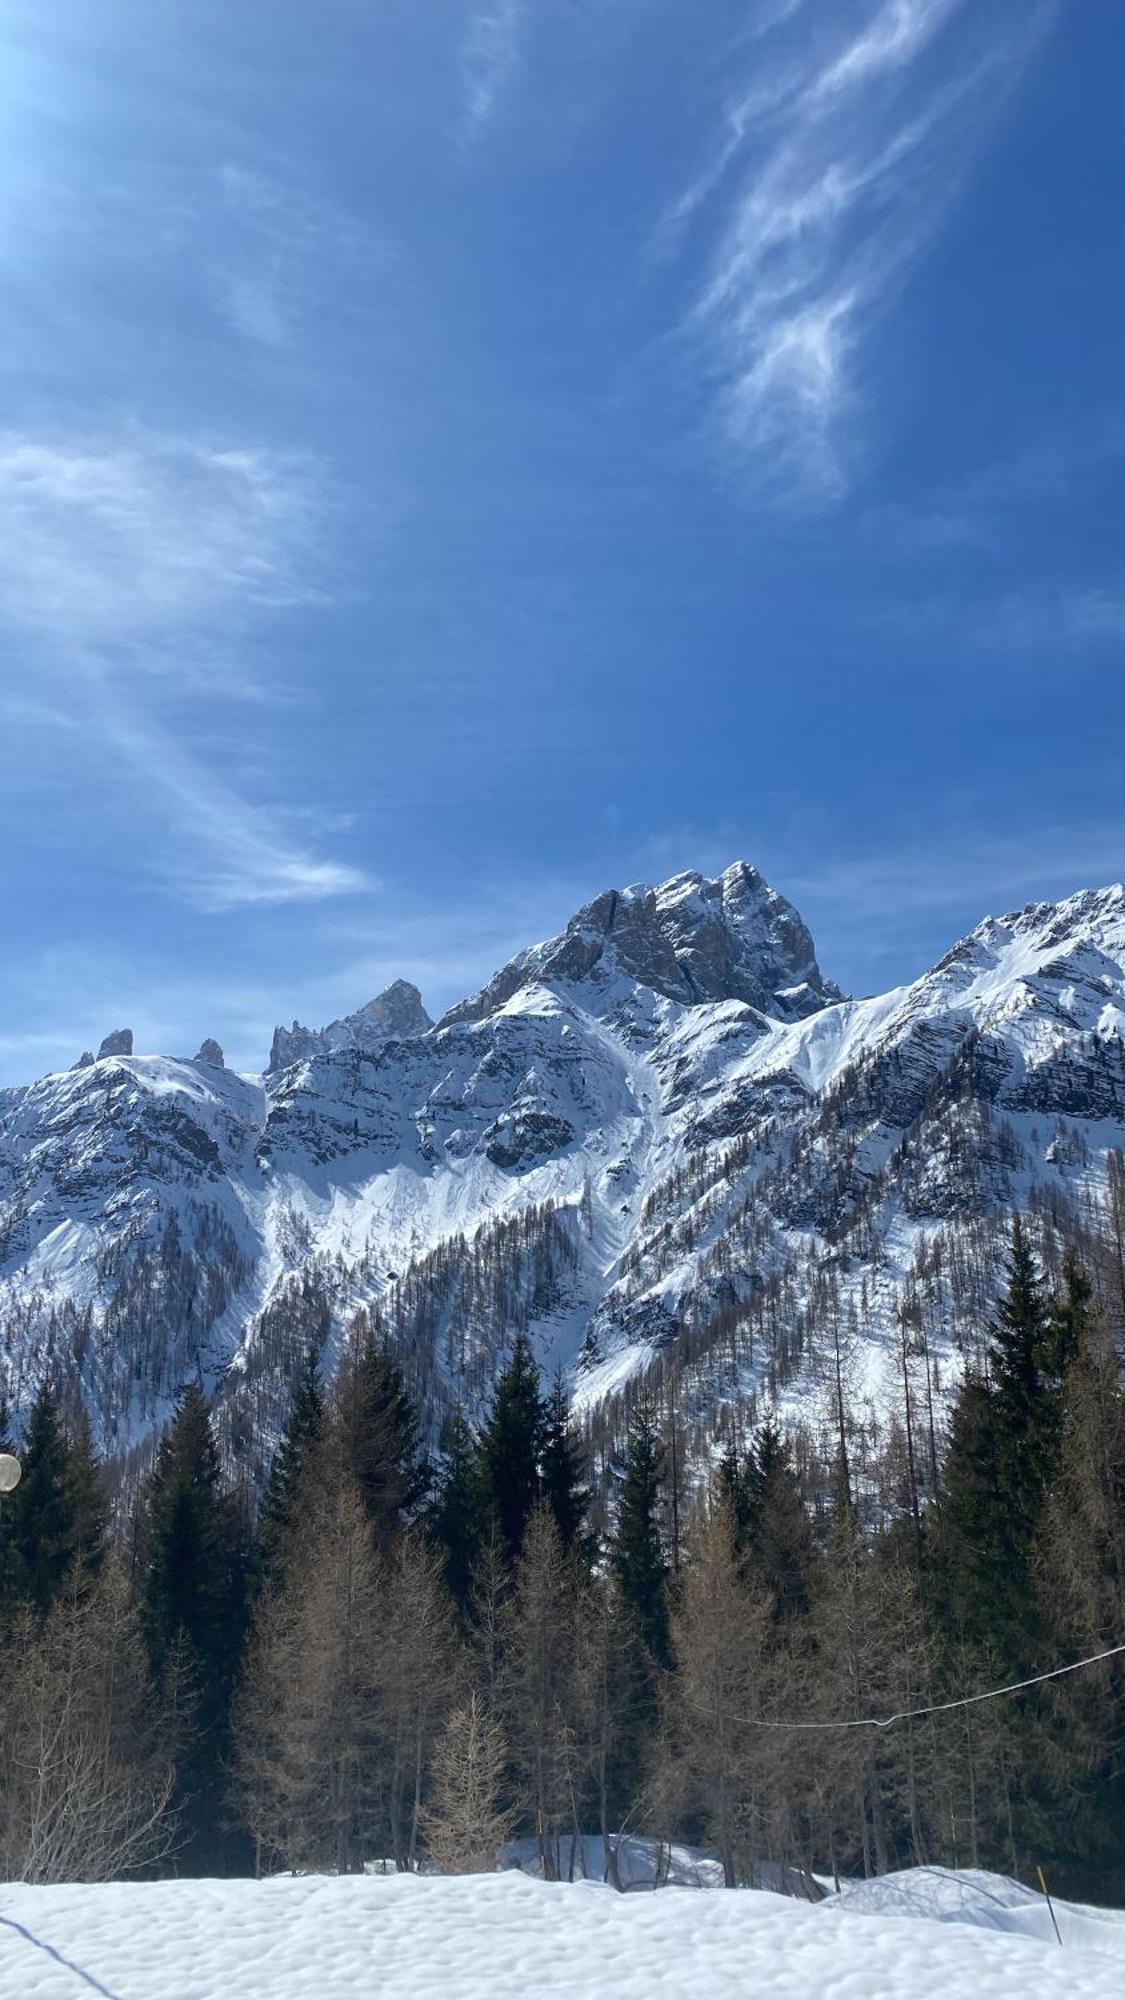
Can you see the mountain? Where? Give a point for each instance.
(662, 1139)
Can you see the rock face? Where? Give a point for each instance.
(120, 1043)
(662, 1128)
(211, 1052)
(690, 940)
(398, 1012)
(395, 1015)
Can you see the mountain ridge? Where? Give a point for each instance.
(662, 1130)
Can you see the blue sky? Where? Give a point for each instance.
(455, 457)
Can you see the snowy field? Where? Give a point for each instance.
(924, 1935)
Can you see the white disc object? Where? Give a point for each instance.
(10, 1470)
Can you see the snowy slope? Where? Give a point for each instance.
(504, 1937)
(664, 1126)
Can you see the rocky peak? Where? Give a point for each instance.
(120, 1043)
(210, 1051)
(397, 1014)
(692, 939)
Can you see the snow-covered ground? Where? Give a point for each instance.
(923, 1935)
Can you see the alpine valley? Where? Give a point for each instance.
(663, 1141)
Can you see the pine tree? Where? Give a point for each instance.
(511, 1445)
(1004, 1438)
(288, 1474)
(563, 1466)
(458, 1516)
(378, 1431)
(1079, 1571)
(58, 1513)
(638, 1551)
(774, 1525)
(193, 1607)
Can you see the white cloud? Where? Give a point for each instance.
(491, 55)
(122, 564)
(269, 276)
(109, 540)
(1066, 616)
(836, 169)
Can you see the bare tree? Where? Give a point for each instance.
(540, 1688)
(308, 1745)
(464, 1823)
(414, 1670)
(88, 1778)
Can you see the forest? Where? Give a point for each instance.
(392, 1652)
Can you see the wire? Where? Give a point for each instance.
(936, 1708)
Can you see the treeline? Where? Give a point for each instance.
(413, 1660)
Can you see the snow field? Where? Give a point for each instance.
(507, 1937)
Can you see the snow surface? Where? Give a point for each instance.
(506, 1937)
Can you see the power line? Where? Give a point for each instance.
(936, 1708)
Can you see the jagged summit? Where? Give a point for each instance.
(661, 1128)
(397, 1014)
(692, 939)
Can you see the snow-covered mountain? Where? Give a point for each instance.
(661, 1134)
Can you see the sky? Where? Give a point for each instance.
(457, 457)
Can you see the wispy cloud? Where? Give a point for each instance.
(109, 539)
(121, 563)
(284, 240)
(982, 509)
(1061, 617)
(490, 57)
(836, 168)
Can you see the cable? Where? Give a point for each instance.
(937, 1708)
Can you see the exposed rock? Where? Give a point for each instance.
(85, 1060)
(396, 1015)
(292, 1045)
(211, 1052)
(398, 1011)
(120, 1043)
(691, 940)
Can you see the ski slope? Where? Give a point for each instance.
(920, 1936)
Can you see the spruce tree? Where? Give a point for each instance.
(288, 1472)
(1003, 1449)
(378, 1433)
(193, 1607)
(638, 1551)
(58, 1513)
(511, 1446)
(458, 1515)
(563, 1464)
(774, 1524)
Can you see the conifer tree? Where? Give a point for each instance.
(193, 1602)
(541, 1687)
(563, 1466)
(288, 1473)
(638, 1551)
(1003, 1448)
(307, 1741)
(458, 1516)
(58, 1513)
(1079, 1570)
(466, 1822)
(87, 1772)
(378, 1432)
(774, 1525)
(511, 1446)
